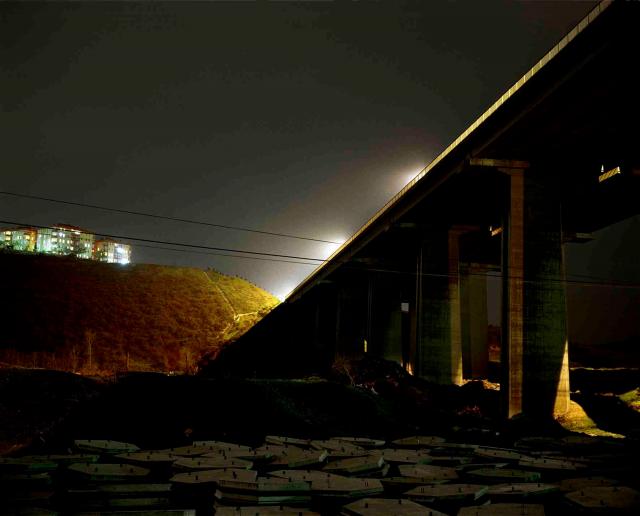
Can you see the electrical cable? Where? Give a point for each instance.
(444, 275)
(180, 244)
(191, 247)
(165, 217)
(193, 251)
(489, 274)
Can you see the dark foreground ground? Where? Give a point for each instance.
(44, 412)
(43, 409)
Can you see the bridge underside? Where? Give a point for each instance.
(412, 287)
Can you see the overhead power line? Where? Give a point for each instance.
(195, 251)
(284, 258)
(165, 217)
(595, 281)
(179, 244)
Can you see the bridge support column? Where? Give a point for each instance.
(352, 317)
(386, 337)
(325, 324)
(475, 325)
(439, 336)
(392, 295)
(535, 347)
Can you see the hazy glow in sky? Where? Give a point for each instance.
(408, 177)
(331, 248)
(301, 118)
(291, 282)
(284, 291)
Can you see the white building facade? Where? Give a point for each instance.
(110, 251)
(19, 239)
(65, 240)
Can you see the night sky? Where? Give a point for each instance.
(299, 118)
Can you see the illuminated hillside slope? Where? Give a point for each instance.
(77, 315)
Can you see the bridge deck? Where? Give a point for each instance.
(574, 111)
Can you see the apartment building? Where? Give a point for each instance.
(65, 240)
(19, 239)
(111, 252)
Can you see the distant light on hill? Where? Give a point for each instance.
(330, 248)
(407, 177)
(283, 292)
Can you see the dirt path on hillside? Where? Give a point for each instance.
(236, 315)
(224, 296)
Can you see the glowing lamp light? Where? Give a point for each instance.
(330, 248)
(410, 176)
(283, 293)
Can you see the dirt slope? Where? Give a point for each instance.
(77, 315)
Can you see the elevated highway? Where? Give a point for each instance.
(555, 158)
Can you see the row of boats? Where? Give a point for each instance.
(415, 475)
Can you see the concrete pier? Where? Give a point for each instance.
(439, 336)
(474, 321)
(386, 338)
(535, 347)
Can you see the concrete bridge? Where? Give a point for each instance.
(555, 158)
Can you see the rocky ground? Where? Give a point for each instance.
(46, 412)
(415, 475)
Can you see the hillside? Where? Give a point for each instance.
(77, 315)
